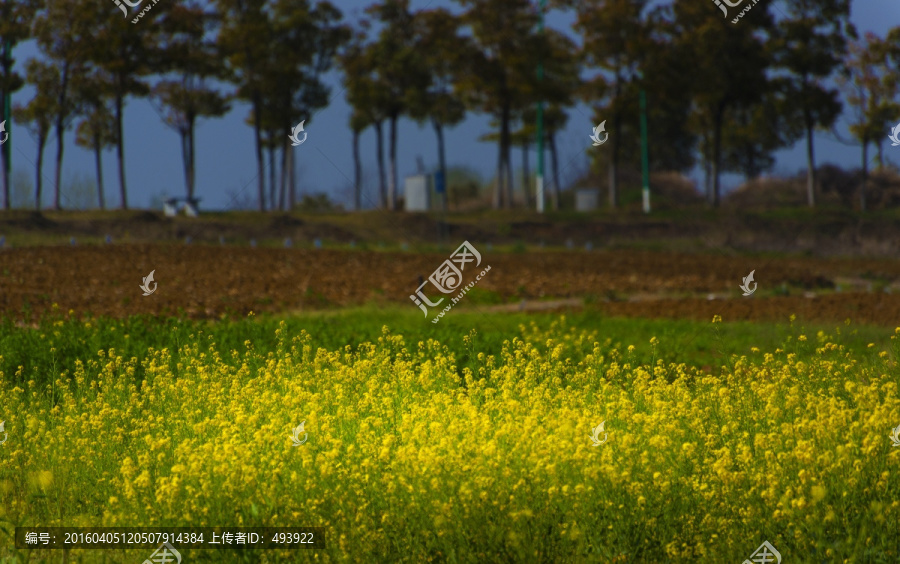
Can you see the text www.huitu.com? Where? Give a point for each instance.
(454, 301)
(744, 11)
(144, 11)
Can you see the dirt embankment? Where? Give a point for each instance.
(820, 232)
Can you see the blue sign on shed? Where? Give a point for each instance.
(439, 182)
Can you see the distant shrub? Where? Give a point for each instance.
(673, 190)
(834, 186)
(767, 192)
(80, 193)
(21, 191)
(317, 203)
(839, 182)
(463, 185)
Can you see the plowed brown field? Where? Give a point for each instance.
(209, 281)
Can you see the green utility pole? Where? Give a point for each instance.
(645, 158)
(6, 115)
(539, 188)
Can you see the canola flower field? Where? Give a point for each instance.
(466, 449)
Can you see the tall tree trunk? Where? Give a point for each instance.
(59, 158)
(272, 176)
(292, 178)
(498, 187)
(555, 166)
(707, 174)
(752, 171)
(6, 149)
(60, 132)
(6, 62)
(190, 172)
(707, 165)
(508, 186)
(260, 166)
(612, 175)
(810, 163)
(285, 157)
(38, 181)
(5, 170)
(379, 149)
(120, 151)
(707, 178)
(880, 146)
(507, 180)
(865, 171)
(98, 162)
(185, 159)
(717, 156)
(392, 179)
(442, 159)
(357, 173)
(506, 143)
(526, 176)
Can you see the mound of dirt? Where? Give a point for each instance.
(285, 221)
(835, 188)
(146, 216)
(28, 221)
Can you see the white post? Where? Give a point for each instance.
(539, 179)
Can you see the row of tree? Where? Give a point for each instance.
(720, 94)
(275, 53)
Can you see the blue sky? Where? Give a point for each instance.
(225, 151)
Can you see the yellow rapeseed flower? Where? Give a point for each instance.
(189, 437)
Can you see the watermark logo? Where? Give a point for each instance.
(448, 278)
(596, 434)
(735, 5)
(894, 136)
(597, 131)
(725, 11)
(296, 436)
(146, 285)
(3, 430)
(165, 554)
(295, 131)
(121, 4)
(3, 131)
(746, 285)
(765, 554)
(895, 435)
